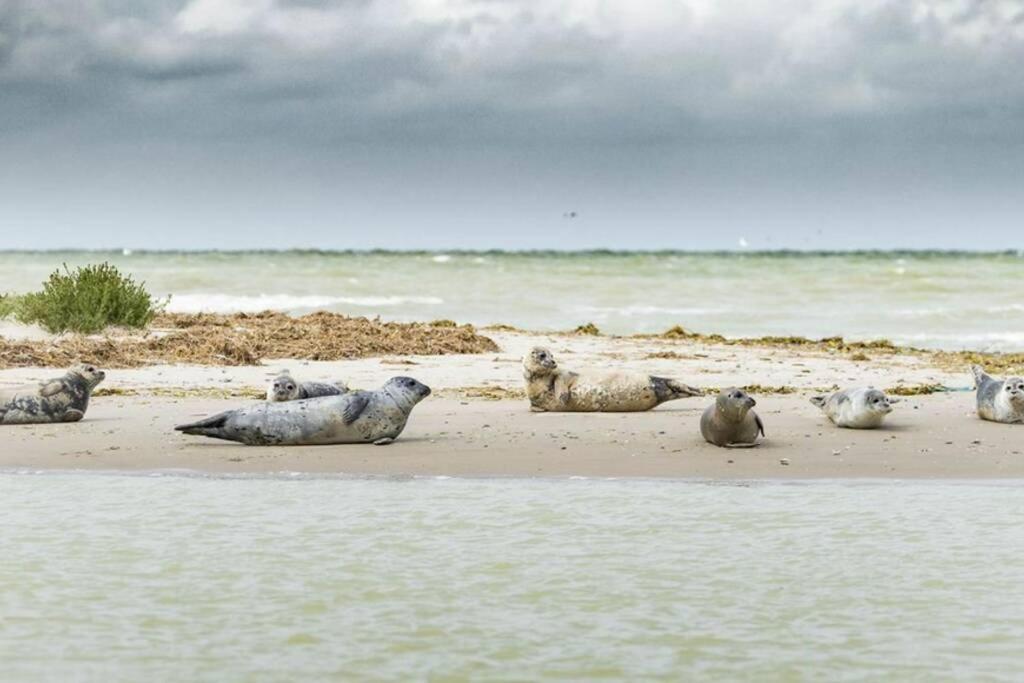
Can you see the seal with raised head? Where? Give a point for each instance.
(999, 400)
(285, 388)
(729, 422)
(857, 408)
(64, 399)
(356, 417)
(552, 389)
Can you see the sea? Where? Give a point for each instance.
(176, 576)
(942, 300)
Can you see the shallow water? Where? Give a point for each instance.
(940, 300)
(108, 578)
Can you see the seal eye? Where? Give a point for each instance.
(90, 368)
(291, 387)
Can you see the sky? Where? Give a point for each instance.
(511, 124)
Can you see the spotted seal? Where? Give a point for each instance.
(64, 399)
(999, 401)
(857, 408)
(285, 388)
(356, 417)
(729, 422)
(552, 389)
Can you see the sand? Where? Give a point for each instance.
(463, 431)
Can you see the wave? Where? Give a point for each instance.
(642, 310)
(227, 303)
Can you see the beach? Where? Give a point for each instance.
(477, 423)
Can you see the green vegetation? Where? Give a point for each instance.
(8, 303)
(86, 300)
(590, 329)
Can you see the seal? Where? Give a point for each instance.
(999, 401)
(857, 408)
(552, 389)
(729, 422)
(356, 417)
(64, 399)
(284, 388)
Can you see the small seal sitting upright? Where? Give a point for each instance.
(552, 389)
(858, 408)
(356, 417)
(729, 422)
(284, 388)
(999, 401)
(64, 399)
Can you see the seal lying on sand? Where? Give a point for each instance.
(999, 401)
(555, 390)
(284, 388)
(64, 399)
(356, 417)
(858, 408)
(730, 422)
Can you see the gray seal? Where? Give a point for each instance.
(729, 422)
(64, 399)
(285, 388)
(857, 408)
(553, 389)
(999, 400)
(356, 417)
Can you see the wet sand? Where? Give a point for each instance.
(462, 431)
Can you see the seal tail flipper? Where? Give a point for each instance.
(980, 376)
(819, 400)
(670, 389)
(211, 426)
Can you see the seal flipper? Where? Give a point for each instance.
(819, 401)
(760, 425)
(669, 389)
(51, 388)
(211, 426)
(355, 407)
(980, 376)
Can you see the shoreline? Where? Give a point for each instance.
(933, 438)
(478, 423)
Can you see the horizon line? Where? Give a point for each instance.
(127, 251)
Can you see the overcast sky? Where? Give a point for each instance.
(481, 123)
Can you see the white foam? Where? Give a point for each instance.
(226, 303)
(642, 310)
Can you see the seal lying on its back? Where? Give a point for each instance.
(859, 408)
(999, 401)
(284, 388)
(356, 417)
(555, 390)
(64, 399)
(730, 422)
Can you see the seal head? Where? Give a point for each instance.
(87, 373)
(283, 388)
(406, 391)
(539, 361)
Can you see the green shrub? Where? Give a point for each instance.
(7, 305)
(88, 300)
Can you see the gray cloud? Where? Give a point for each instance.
(517, 66)
(693, 101)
